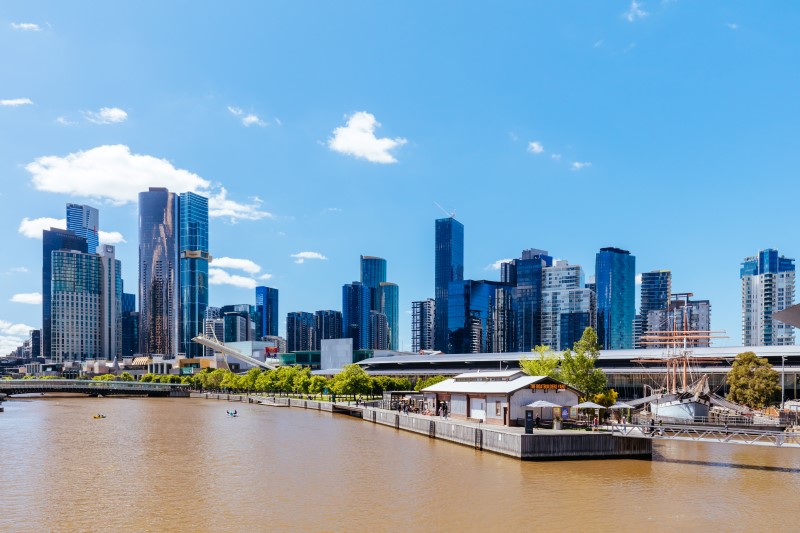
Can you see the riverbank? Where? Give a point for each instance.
(512, 442)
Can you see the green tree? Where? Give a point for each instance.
(351, 380)
(578, 368)
(126, 376)
(607, 398)
(424, 383)
(752, 380)
(250, 379)
(317, 384)
(546, 364)
(147, 378)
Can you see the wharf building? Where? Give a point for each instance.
(615, 283)
(422, 320)
(682, 315)
(266, 312)
(655, 291)
(300, 331)
(449, 267)
(328, 325)
(568, 308)
(768, 284)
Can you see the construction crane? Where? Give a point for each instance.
(446, 212)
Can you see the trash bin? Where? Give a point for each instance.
(528, 421)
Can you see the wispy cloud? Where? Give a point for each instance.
(65, 122)
(110, 237)
(106, 115)
(732, 25)
(635, 12)
(113, 174)
(26, 26)
(16, 102)
(535, 147)
(578, 165)
(556, 157)
(357, 138)
(12, 335)
(332, 210)
(33, 227)
(628, 48)
(265, 277)
(496, 264)
(638, 279)
(598, 44)
(245, 265)
(301, 257)
(217, 276)
(248, 119)
(17, 270)
(32, 298)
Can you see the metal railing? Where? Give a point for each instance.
(709, 434)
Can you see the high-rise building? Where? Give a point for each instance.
(373, 273)
(567, 306)
(422, 316)
(213, 312)
(655, 290)
(239, 322)
(84, 221)
(480, 317)
(379, 331)
(129, 325)
(76, 306)
(159, 314)
(615, 281)
(300, 331)
(525, 274)
(111, 304)
(682, 314)
(449, 266)
(266, 312)
(193, 267)
(767, 287)
(390, 306)
(355, 314)
(35, 339)
(328, 325)
(53, 240)
(214, 329)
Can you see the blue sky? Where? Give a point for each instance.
(668, 128)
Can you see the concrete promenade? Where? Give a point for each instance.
(543, 444)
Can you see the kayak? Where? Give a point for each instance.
(99, 416)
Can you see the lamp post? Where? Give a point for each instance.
(783, 381)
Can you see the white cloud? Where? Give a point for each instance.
(265, 277)
(32, 228)
(300, 257)
(16, 102)
(33, 298)
(65, 122)
(21, 270)
(17, 330)
(496, 264)
(557, 157)
(635, 12)
(733, 26)
(535, 147)
(332, 210)
(248, 119)
(358, 139)
(25, 26)
(278, 121)
(113, 174)
(577, 165)
(217, 276)
(239, 264)
(106, 115)
(110, 237)
(638, 279)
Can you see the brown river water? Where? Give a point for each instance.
(183, 465)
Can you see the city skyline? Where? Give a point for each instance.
(521, 120)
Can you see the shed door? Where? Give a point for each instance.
(477, 408)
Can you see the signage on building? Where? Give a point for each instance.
(549, 386)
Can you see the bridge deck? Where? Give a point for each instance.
(710, 434)
(91, 387)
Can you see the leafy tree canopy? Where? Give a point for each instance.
(545, 364)
(752, 380)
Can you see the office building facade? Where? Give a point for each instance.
(422, 318)
(300, 331)
(77, 286)
(525, 274)
(239, 322)
(111, 305)
(379, 331)
(390, 307)
(768, 285)
(655, 290)
(615, 282)
(130, 326)
(356, 314)
(373, 273)
(193, 270)
(84, 221)
(449, 267)
(567, 306)
(328, 324)
(480, 317)
(266, 312)
(682, 314)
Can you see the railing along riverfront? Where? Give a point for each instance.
(34, 385)
(718, 434)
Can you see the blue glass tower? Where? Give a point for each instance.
(449, 266)
(525, 274)
(194, 258)
(390, 306)
(84, 221)
(373, 273)
(615, 279)
(480, 318)
(266, 312)
(356, 314)
(52, 240)
(768, 286)
(300, 331)
(328, 324)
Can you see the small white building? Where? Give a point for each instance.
(498, 398)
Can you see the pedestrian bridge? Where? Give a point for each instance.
(91, 387)
(716, 434)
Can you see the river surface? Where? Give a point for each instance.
(183, 465)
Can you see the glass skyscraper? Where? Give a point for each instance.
(480, 317)
(768, 283)
(130, 326)
(76, 306)
(239, 322)
(356, 314)
(656, 289)
(525, 274)
(615, 281)
(111, 304)
(422, 316)
(328, 324)
(567, 306)
(52, 240)
(390, 306)
(449, 266)
(373, 273)
(300, 331)
(379, 331)
(159, 297)
(84, 221)
(194, 259)
(266, 312)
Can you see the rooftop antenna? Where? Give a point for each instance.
(446, 212)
